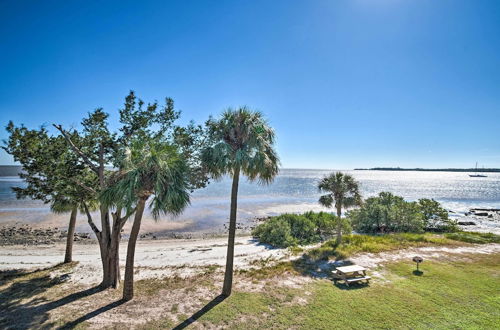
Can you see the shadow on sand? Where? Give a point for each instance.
(20, 309)
(92, 314)
(217, 300)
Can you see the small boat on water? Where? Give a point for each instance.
(476, 175)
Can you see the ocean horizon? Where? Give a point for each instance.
(293, 190)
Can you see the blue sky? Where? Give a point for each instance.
(345, 83)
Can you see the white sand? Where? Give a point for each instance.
(153, 258)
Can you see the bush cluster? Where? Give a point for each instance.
(298, 229)
(391, 213)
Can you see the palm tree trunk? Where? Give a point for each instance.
(339, 225)
(228, 276)
(128, 283)
(71, 232)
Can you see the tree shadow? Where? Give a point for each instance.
(19, 306)
(317, 268)
(217, 300)
(92, 314)
(418, 273)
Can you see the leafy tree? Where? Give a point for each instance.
(435, 216)
(52, 174)
(101, 150)
(387, 213)
(343, 192)
(326, 223)
(241, 141)
(150, 168)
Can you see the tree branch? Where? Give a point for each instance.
(91, 223)
(84, 186)
(124, 219)
(85, 158)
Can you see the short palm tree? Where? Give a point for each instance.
(343, 192)
(149, 168)
(241, 141)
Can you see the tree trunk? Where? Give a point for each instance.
(228, 276)
(128, 283)
(339, 225)
(71, 232)
(110, 264)
(109, 242)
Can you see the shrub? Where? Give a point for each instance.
(391, 213)
(436, 217)
(276, 232)
(293, 229)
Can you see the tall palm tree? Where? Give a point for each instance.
(240, 141)
(343, 191)
(149, 168)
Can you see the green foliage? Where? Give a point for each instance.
(292, 229)
(435, 216)
(52, 172)
(473, 237)
(150, 167)
(353, 244)
(241, 139)
(343, 191)
(390, 213)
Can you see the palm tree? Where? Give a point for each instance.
(342, 190)
(149, 168)
(241, 141)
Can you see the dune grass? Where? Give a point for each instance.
(472, 237)
(353, 244)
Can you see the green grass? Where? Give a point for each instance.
(471, 237)
(449, 295)
(353, 244)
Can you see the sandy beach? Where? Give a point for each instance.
(154, 258)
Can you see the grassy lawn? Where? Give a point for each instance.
(459, 294)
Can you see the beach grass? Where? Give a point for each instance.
(353, 244)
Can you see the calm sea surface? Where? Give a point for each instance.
(294, 190)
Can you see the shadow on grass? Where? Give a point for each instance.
(418, 273)
(19, 306)
(352, 286)
(217, 300)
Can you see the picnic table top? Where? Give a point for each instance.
(351, 269)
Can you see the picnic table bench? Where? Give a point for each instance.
(350, 274)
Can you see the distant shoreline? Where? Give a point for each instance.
(483, 170)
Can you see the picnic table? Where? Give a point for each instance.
(350, 274)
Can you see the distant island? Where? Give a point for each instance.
(10, 170)
(484, 170)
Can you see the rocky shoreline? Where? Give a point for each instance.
(27, 235)
(480, 220)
